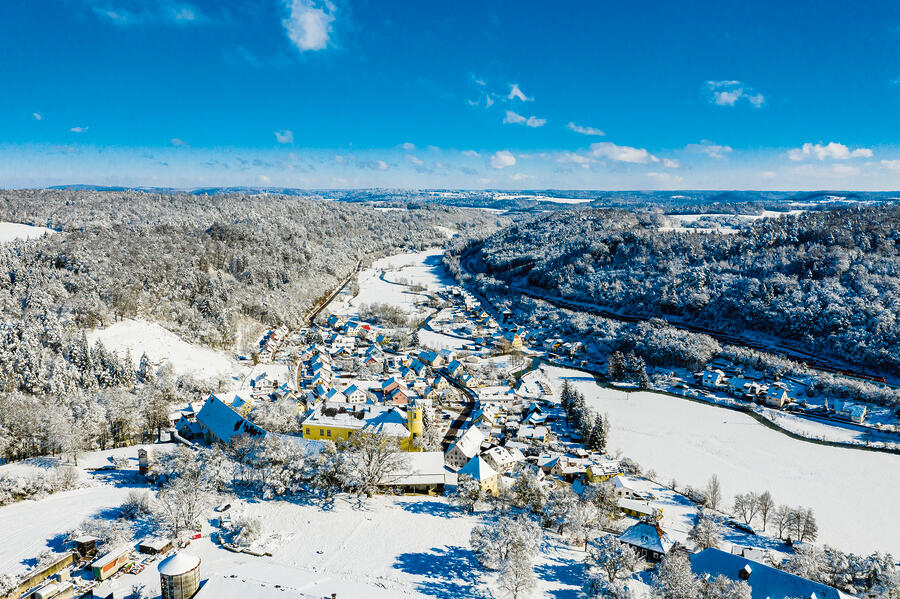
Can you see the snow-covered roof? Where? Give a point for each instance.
(469, 443)
(223, 422)
(419, 468)
(178, 563)
(647, 536)
(765, 581)
(478, 469)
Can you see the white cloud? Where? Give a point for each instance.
(122, 13)
(894, 165)
(671, 163)
(832, 150)
(488, 101)
(285, 136)
(308, 23)
(517, 94)
(612, 151)
(729, 93)
(517, 119)
(665, 178)
(521, 177)
(503, 159)
(767, 174)
(470, 153)
(178, 143)
(845, 169)
(513, 118)
(574, 158)
(37, 116)
(408, 146)
(78, 129)
(415, 160)
(264, 180)
(713, 150)
(584, 130)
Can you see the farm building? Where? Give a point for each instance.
(110, 563)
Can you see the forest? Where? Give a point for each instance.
(823, 281)
(197, 265)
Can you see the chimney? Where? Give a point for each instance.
(745, 572)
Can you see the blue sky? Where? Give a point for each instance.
(594, 94)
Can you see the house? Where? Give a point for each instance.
(454, 368)
(777, 395)
(418, 472)
(335, 321)
(481, 471)
(502, 459)
(598, 473)
(532, 433)
(465, 448)
(622, 488)
(220, 423)
(765, 582)
(642, 510)
(567, 468)
(335, 396)
(355, 395)
(648, 540)
(431, 358)
(390, 384)
(713, 379)
(398, 396)
(847, 410)
(513, 339)
(339, 422)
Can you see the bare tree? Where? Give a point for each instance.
(782, 519)
(517, 576)
(766, 506)
(746, 506)
(374, 460)
(713, 493)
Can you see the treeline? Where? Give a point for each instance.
(196, 265)
(825, 281)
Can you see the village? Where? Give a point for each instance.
(463, 399)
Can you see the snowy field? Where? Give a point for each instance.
(29, 527)
(386, 282)
(161, 345)
(853, 492)
(14, 231)
(420, 547)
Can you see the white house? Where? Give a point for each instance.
(465, 448)
(777, 395)
(713, 379)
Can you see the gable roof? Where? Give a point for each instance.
(647, 536)
(469, 443)
(765, 581)
(224, 423)
(478, 469)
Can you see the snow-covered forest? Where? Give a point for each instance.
(825, 281)
(198, 265)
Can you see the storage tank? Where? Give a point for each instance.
(179, 576)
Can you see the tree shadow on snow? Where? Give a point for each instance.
(562, 571)
(432, 508)
(122, 478)
(452, 571)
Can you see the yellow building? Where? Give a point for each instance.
(597, 473)
(338, 422)
(481, 471)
